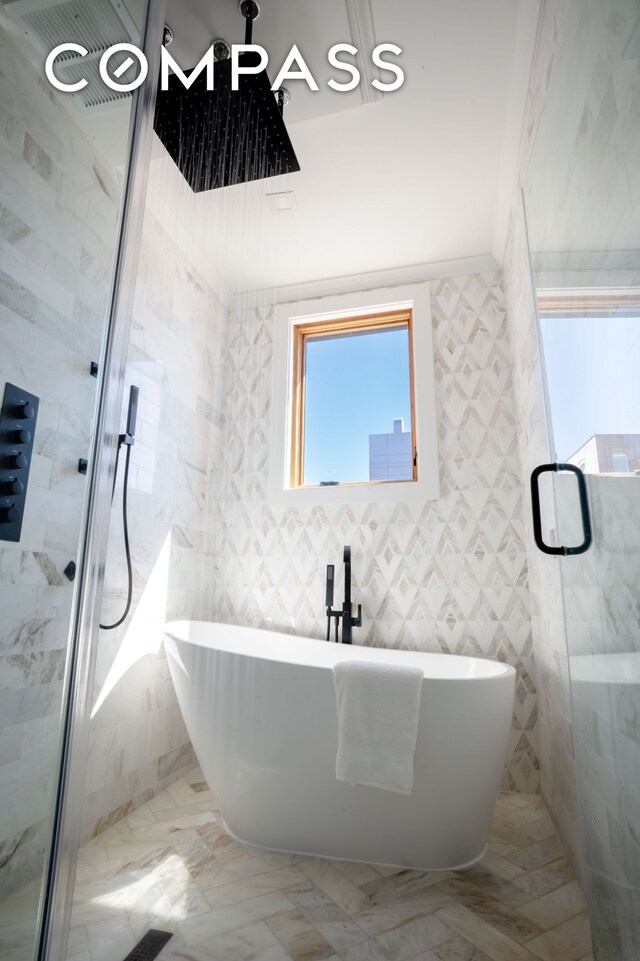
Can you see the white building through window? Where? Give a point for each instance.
(391, 455)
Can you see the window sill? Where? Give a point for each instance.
(353, 493)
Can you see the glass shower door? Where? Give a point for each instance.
(63, 169)
(596, 418)
(582, 201)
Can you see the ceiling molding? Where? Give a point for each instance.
(588, 301)
(393, 277)
(363, 36)
(587, 280)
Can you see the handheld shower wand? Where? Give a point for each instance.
(329, 602)
(127, 439)
(132, 414)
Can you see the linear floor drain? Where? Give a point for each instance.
(149, 946)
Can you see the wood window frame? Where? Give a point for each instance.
(313, 330)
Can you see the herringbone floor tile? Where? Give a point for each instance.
(170, 865)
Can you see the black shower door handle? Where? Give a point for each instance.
(584, 510)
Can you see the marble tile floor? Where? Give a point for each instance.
(170, 865)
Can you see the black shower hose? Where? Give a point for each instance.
(125, 528)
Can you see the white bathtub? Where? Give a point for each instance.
(260, 710)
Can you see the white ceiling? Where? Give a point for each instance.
(424, 175)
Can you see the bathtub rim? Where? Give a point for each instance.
(178, 630)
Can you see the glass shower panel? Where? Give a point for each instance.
(582, 200)
(62, 173)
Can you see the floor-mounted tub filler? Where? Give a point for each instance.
(260, 709)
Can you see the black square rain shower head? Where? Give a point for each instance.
(222, 137)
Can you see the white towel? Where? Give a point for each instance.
(378, 710)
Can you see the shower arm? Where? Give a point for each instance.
(250, 10)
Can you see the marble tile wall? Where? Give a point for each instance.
(59, 206)
(583, 187)
(58, 221)
(138, 742)
(555, 732)
(603, 626)
(580, 174)
(448, 575)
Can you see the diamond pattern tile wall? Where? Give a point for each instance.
(447, 575)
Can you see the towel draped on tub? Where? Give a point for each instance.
(378, 711)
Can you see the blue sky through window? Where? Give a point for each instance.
(593, 375)
(356, 385)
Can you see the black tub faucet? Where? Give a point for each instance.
(346, 614)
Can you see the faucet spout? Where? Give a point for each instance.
(347, 576)
(348, 620)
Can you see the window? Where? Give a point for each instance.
(620, 463)
(353, 413)
(352, 396)
(591, 349)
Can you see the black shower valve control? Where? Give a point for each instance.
(18, 461)
(25, 411)
(12, 487)
(18, 416)
(10, 515)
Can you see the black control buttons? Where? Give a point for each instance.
(10, 515)
(18, 462)
(13, 487)
(18, 417)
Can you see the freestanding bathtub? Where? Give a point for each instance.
(260, 710)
